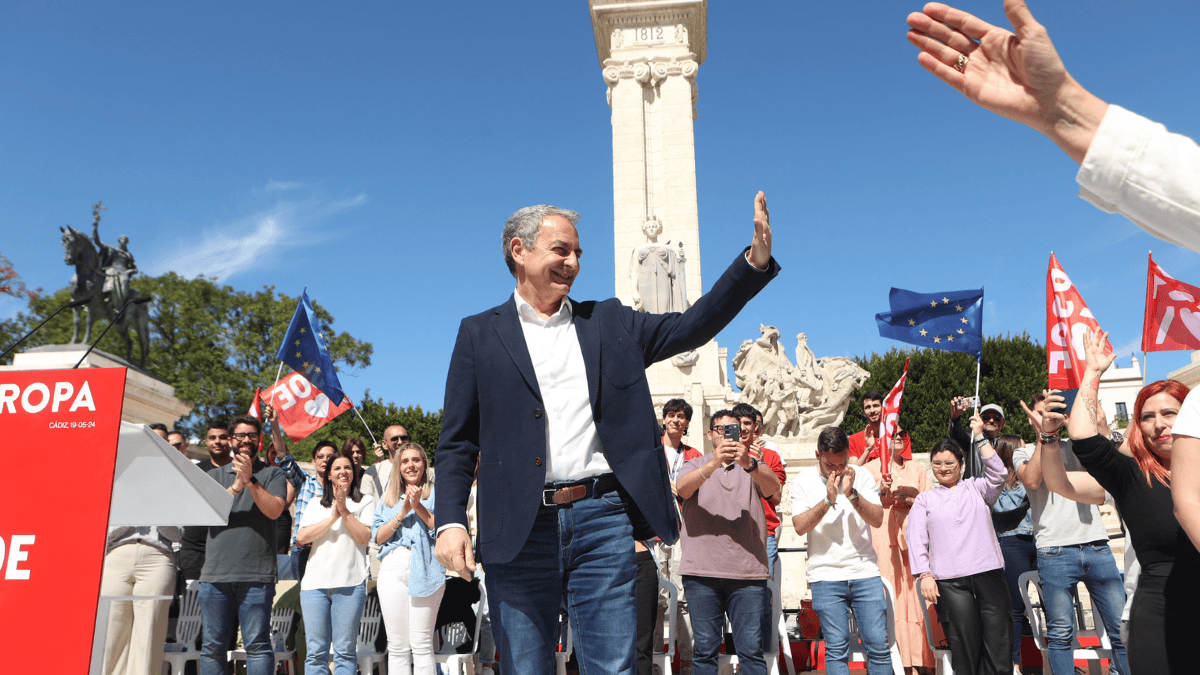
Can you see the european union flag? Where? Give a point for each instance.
(304, 350)
(952, 321)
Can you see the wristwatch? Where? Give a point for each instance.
(753, 465)
(254, 480)
(853, 494)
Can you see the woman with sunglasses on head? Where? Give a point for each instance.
(954, 554)
(1141, 487)
(333, 590)
(898, 491)
(411, 580)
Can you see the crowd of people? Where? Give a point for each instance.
(547, 401)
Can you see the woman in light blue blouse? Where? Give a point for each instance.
(1013, 521)
(411, 580)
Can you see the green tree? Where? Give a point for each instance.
(10, 281)
(215, 344)
(422, 426)
(1013, 369)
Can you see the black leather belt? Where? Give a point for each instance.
(566, 493)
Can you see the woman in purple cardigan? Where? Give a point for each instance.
(954, 553)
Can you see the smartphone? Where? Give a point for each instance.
(733, 432)
(1069, 398)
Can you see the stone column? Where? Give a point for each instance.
(627, 94)
(676, 196)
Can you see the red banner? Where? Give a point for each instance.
(1172, 319)
(51, 540)
(889, 418)
(1068, 322)
(302, 407)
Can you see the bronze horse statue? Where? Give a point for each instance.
(88, 283)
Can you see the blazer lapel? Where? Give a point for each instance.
(508, 328)
(588, 333)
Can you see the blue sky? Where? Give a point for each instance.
(372, 151)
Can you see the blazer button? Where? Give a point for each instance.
(537, 461)
(537, 413)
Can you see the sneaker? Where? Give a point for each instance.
(487, 670)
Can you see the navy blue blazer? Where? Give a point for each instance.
(494, 410)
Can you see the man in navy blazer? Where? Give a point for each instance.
(549, 396)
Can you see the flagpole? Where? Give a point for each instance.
(277, 374)
(364, 423)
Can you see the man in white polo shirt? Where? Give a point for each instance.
(836, 506)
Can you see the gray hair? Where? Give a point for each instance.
(525, 225)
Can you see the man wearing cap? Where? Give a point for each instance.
(993, 424)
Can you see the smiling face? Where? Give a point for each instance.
(545, 272)
(946, 468)
(1156, 420)
(872, 409)
(412, 466)
(341, 472)
(676, 423)
(244, 439)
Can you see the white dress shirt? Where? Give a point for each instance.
(573, 449)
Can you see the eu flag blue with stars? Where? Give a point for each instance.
(952, 320)
(304, 350)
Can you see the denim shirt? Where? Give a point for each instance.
(1006, 509)
(425, 573)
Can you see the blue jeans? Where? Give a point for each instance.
(331, 618)
(709, 600)
(225, 605)
(1020, 557)
(1061, 568)
(582, 551)
(832, 601)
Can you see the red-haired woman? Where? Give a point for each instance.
(1141, 487)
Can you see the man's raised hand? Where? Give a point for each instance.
(760, 248)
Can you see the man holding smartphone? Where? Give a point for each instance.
(724, 541)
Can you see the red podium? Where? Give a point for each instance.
(60, 429)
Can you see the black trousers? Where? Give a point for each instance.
(647, 611)
(976, 612)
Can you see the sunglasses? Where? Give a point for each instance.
(991, 418)
(406, 438)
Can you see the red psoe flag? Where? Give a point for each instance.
(890, 418)
(302, 407)
(1172, 313)
(254, 410)
(1068, 322)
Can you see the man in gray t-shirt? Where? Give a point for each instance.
(1072, 546)
(237, 583)
(724, 542)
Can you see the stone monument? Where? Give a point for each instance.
(650, 52)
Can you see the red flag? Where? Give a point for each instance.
(254, 409)
(889, 418)
(1172, 319)
(302, 407)
(1068, 322)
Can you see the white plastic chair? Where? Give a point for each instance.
(281, 622)
(941, 654)
(1037, 620)
(368, 630)
(663, 659)
(563, 655)
(460, 664)
(187, 627)
(781, 639)
(858, 651)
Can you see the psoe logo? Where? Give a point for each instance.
(37, 396)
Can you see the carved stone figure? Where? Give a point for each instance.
(102, 278)
(657, 274)
(796, 400)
